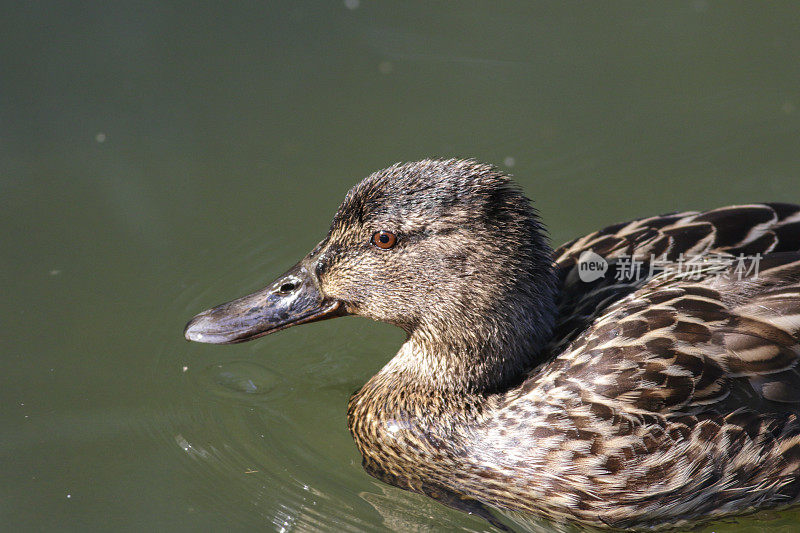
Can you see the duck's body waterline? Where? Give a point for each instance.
(639, 403)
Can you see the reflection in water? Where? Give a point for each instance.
(405, 511)
(240, 377)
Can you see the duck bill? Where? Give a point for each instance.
(294, 298)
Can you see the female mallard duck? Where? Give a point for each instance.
(641, 402)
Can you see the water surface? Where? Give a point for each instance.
(162, 157)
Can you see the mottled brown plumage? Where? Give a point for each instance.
(644, 403)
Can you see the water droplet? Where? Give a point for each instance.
(385, 67)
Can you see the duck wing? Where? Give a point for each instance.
(678, 346)
(745, 229)
(686, 341)
(749, 229)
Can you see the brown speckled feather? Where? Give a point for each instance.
(680, 399)
(749, 229)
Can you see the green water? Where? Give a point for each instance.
(159, 158)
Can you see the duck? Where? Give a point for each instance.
(533, 383)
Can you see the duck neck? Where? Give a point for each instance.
(408, 420)
(489, 349)
(440, 382)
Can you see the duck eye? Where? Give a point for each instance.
(384, 239)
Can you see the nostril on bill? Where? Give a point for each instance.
(287, 287)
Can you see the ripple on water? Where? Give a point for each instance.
(239, 379)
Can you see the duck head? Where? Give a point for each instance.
(451, 251)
